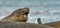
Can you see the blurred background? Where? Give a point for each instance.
(47, 10)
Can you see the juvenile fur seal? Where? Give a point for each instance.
(19, 15)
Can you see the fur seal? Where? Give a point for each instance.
(19, 15)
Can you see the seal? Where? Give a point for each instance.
(20, 15)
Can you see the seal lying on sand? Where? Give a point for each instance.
(19, 15)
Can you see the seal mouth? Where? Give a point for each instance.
(25, 14)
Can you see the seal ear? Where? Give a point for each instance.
(39, 21)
